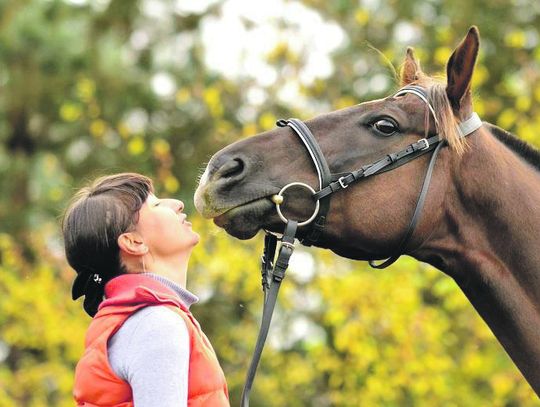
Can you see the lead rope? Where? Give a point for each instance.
(270, 294)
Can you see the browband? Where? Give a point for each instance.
(464, 128)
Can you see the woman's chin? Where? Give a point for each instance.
(196, 238)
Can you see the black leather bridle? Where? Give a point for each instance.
(274, 272)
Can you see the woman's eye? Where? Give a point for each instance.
(385, 127)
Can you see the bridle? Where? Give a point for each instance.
(274, 272)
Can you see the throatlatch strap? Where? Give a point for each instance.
(278, 274)
(416, 216)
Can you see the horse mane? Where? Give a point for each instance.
(518, 146)
(448, 127)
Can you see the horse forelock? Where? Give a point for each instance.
(447, 122)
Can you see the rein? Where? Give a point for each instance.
(273, 273)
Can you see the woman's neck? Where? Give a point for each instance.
(185, 296)
(174, 270)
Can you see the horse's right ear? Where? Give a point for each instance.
(460, 68)
(410, 71)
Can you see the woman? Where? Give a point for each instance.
(130, 250)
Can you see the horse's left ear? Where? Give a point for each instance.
(410, 70)
(460, 68)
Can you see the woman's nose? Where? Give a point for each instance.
(179, 205)
(175, 204)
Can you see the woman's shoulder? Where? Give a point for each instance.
(153, 321)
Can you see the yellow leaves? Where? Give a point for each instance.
(70, 112)
(55, 194)
(161, 147)
(442, 54)
(183, 95)
(282, 53)
(537, 93)
(6, 242)
(528, 132)
(502, 384)
(298, 372)
(136, 146)
(85, 103)
(335, 316)
(171, 184)
(267, 121)
(93, 110)
(361, 16)
(86, 89)
(249, 129)
(123, 130)
(515, 39)
(212, 98)
(98, 128)
(225, 130)
(480, 76)
(523, 103)
(444, 34)
(43, 331)
(506, 119)
(344, 101)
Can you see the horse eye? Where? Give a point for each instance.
(385, 127)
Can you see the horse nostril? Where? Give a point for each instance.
(232, 168)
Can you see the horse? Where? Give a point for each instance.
(479, 218)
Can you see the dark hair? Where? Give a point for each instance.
(94, 219)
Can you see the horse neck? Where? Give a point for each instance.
(488, 242)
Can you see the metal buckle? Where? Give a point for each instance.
(288, 245)
(426, 144)
(343, 185)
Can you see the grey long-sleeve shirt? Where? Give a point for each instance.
(151, 352)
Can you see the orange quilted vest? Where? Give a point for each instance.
(95, 382)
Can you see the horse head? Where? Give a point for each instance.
(368, 220)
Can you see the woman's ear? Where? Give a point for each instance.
(132, 243)
(460, 68)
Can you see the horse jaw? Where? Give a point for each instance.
(243, 222)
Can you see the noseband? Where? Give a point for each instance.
(273, 273)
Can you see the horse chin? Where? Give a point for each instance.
(244, 221)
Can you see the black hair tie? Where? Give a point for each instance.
(93, 293)
(97, 279)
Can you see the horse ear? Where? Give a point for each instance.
(460, 68)
(410, 71)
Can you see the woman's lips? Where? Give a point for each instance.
(185, 221)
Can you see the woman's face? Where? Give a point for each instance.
(164, 228)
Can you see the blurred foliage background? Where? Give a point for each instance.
(156, 86)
